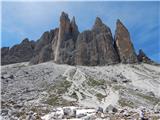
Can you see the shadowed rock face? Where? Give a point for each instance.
(18, 53)
(43, 48)
(4, 51)
(142, 57)
(95, 47)
(124, 45)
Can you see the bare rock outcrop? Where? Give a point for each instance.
(95, 47)
(67, 35)
(43, 48)
(124, 45)
(142, 57)
(18, 53)
(4, 51)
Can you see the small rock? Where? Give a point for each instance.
(125, 81)
(99, 109)
(4, 112)
(81, 115)
(7, 76)
(151, 94)
(66, 111)
(157, 108)
(111, 109)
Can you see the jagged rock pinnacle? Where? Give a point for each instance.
(124, 45)
(65, 45)
(142, 57)
(73, 21)
(68, 32)
(95, 47)
(98, 21)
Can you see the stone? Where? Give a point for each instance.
(5, 76)
(157, 108)
(111, 109)
(124, 45)
(151, 94)
(67, 111)
(4, 112)
(99, 109)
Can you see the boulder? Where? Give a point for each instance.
(99, 109)
(111, 109)
(124, 45)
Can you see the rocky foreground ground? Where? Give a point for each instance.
(50, 91)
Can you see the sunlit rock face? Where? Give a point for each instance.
(124, 45)
(68, 32)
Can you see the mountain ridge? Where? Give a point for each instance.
(66, 45)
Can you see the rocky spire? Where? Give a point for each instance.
(98, 22)
(142, 57)
(95, 47)
(124, 45)
(68, 32)
(74, 28)
(100, 27)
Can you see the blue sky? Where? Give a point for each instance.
(31, 19)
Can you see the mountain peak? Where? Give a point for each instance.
(26, 40)
(124, 45)
(98, 21)
(64, 17)
(100, 27)
(73, 20)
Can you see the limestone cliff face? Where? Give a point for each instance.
(66, 45)
(68, 32)
(18, 53)
(43, 48)
(124, 45)
(95, 47)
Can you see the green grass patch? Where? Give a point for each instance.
(118, 87)
(124, 103)
(61, 87)
(100, 96)
(57, 101)
(93, 82)
(149, 98)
